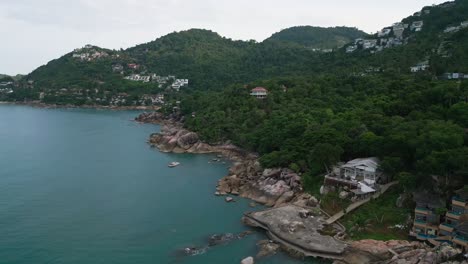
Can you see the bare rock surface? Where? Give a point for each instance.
(298, 229)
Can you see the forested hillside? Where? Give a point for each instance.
(318, 37)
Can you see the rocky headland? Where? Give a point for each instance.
(295, 222)
(246, 177)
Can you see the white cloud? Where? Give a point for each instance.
(36, 31)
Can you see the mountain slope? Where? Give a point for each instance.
(318, 37)
(210, 61)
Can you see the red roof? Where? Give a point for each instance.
(259, 89)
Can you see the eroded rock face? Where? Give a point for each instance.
(397, 252)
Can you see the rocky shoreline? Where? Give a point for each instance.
(246, 177)
(281, 189)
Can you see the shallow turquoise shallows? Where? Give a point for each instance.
(83, 186)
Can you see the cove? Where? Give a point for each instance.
(83, 186)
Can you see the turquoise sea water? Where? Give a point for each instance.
(83, 186)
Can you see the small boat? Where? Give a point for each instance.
(173, 164)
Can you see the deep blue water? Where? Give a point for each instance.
(83, 186)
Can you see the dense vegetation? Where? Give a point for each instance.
(317, 37)
(414, 124)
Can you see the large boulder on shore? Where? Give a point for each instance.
(187, 140)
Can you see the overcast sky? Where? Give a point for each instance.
(33, 32)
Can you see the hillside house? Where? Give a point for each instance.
(417, 26)
(364, 169)
(454, 76)
(369, 43)
(399, 29)
(384, 32)
(351, 49)
(178, 83)
(422, 66)
(117, 68)
(133, 66)
(362, 176)
(358, 170)
(138, 78)
(426, 218)
(451, 29)
(259, 92)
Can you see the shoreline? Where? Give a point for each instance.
(37, 104)
(276, 188)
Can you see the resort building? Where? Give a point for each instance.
(426, 216)
(460, 238)
(453, 229)
(457, 214)
(259, 92)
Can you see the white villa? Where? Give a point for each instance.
(364, 169)
(178, 83)
(362, 176)
(420, 67)
(138, 78)
(369, 43)
(417, 26)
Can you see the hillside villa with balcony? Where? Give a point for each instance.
(259, 92)
(362, 176)
(426, 218)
